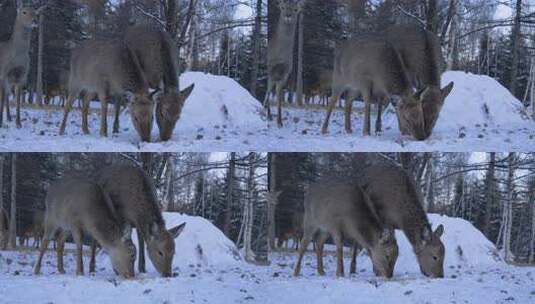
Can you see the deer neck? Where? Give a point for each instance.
(21, 38)
(285, 35)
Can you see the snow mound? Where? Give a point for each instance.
(465, 246)
(199, 244)
(218, 101)
(478, 100)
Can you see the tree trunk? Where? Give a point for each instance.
(257, 35)
(39, 80)
(270, 204)
(13, 209)
(230, 192)
(170, 176)
(515, 46)
(249, 210)
(508, 210)
(432, 16)
(300, 53)
(170, 18)
(490, 194)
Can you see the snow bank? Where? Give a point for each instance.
(199, 244)
(218, 101)
(477, 100)
(465, 246)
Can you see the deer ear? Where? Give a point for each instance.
(426, 234)
(187, 91)
(419, 93)
(447, 90)
(176, 231)
(439, 231)
(154, 229)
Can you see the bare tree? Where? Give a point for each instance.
(13, 208)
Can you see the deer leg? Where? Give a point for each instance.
(339, 254)
(92, 261)
(267, 102)
(307, 237)
(367, 116)
(18, 96)
(116, 119)
(8, 111)
(280, 100)
(379, 121)
(60, 248)
(66, 111)
(78, 239)
(320, 242)
(330, 108)
(42, 250)
(85, 114)
(350, 96)
(141, 262)
(354, 254)
(103, 115)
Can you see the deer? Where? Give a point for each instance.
(35, 230)
(15, 61)
(321, 87)
(133, 195)
(394, 196)
(280, 54)
(295, 233)
(106, 69)
(339, 209)
(77, 206)
(369, 66)
(422, 56)
(158, 54)
(4, 229)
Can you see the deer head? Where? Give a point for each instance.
(161, 247)
(385, 254)
(290, 10)
(169, 107)
(432, 99)
(431, 253)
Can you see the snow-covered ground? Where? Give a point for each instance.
(474, 274)
(479, 115)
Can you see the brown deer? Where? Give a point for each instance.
(35, 230)
(422, 56)
(133, 195)
(106, 68)
(340, 210)
(395, 198)
(4, 229)
(371, 67)
(321, 87)
(295, 233)
(75, 206)
(280, 53)
(157, 54)
(15, 61)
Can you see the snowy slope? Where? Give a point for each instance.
(477, 278)
(479, 115)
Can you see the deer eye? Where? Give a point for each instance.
(160, 253)
(435, 258)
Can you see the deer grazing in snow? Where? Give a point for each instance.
(370, 67)
(280, 53)
(15, 61)
(391, 64)
(157, 54)
(341, 210)
(106, 69)
(133, 196)
(4, 229)
(422, 56)
(75, 206)
(395, 198)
